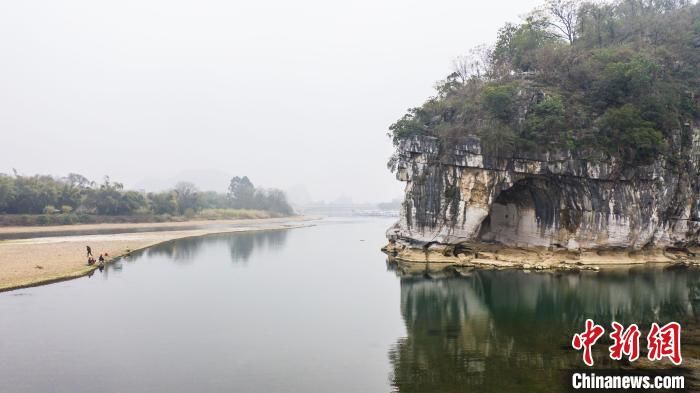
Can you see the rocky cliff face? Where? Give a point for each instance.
(458, 197)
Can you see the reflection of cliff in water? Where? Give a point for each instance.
(241, 245)
(500, 330)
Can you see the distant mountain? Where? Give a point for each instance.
(298, 195)
(204, 179)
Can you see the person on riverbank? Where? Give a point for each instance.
(91, 261)
(89, 251)
(101, 259)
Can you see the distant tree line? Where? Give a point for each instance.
(242, 194)
(42, 194)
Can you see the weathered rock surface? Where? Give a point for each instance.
(459, 198)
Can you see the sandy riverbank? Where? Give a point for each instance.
(42, 260)
(142, 226)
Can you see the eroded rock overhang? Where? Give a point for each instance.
(457, 193)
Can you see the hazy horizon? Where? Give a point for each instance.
(285, 93)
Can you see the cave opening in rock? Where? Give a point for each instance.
(521, 214)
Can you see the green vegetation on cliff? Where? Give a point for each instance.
(617, 78)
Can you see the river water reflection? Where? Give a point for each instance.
(498, 331)
(315, 310)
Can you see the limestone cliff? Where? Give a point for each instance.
(460, 199)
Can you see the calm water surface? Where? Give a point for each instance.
(314, 310)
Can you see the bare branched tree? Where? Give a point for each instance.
(564, 17)
(462, 68)
(475, 65)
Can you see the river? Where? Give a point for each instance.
(316, 309)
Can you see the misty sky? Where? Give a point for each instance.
(286, 92)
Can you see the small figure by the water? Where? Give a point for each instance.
(89, 251)
(101, 259)
(91, 261)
